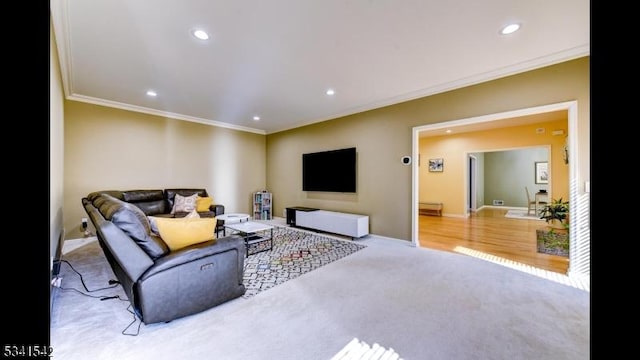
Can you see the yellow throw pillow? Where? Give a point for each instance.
(203, 203)
(181, 232)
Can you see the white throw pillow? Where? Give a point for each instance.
(192, 214)
(184, 203)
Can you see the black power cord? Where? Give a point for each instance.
(113, 283)
(135, 318)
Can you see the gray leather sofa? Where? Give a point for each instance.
(163, 285)
(159, 202)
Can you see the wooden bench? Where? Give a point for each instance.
(430, 208)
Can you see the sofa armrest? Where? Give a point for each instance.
(217, 209)
(129, 255)
(191, 280)
(198, 251)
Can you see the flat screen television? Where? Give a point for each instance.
(330, 171)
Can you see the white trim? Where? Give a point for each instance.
(60, 18)
(496, 116)
(567, 55)
(579, 204)
(580, 232)
(166, 114)
(472, 202)
(60, 15)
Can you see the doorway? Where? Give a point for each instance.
(497, 177)
(579, 231)
(473, 183)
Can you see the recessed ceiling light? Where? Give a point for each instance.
(152, 93)
(448, 131)
(201, 34)
(331, 92)
(256, 118)
(510, 29)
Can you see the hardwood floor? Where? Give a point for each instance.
(489, 232)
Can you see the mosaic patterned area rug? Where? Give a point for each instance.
(294, 253)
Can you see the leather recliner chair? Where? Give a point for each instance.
(163, 285)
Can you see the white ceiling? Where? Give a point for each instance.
(277, 58)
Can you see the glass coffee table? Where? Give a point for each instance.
(257, 236)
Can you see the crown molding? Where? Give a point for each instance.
(164, 114)
(559, 57)
(60, 18)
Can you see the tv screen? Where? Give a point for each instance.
(331, 171)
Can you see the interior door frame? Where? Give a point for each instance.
(472, 184)
(579, 244)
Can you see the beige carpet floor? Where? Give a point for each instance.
(422, 303)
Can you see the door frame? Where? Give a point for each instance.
(472, 184)
(579, 244)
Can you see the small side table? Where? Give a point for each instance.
(430, 208)
(227, 219)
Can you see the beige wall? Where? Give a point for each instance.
(56, 147)
(107, 148)
(384, 135)
(449, 186)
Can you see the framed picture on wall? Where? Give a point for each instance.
(436, 165)
(542, 172)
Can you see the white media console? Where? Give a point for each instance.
(331, 221)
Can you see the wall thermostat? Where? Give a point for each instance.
(406, 160)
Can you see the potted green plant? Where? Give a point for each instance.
(556, 214)
(554, 240)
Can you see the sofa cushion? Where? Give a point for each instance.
(202, 214)
(130, 219)
(151, 202)
(152, 207)
(203, 203)
(133, 196)
(184, 203)
(96, 194)
(170, 194)
(182, 232)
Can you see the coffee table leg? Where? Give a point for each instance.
(246, 244)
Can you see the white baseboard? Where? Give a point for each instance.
(72, 244)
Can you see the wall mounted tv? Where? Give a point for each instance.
(330, 171)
